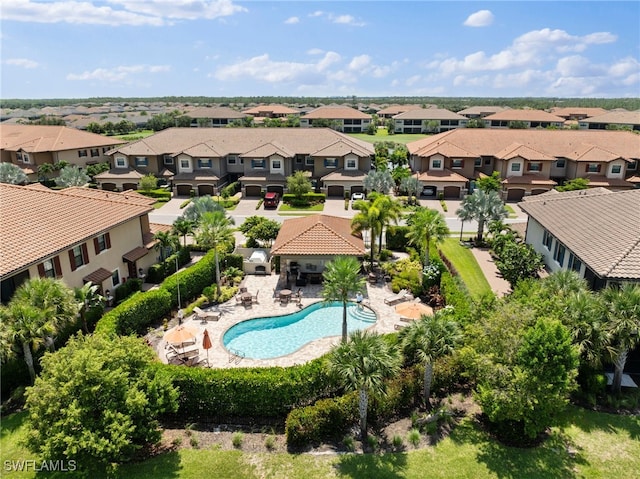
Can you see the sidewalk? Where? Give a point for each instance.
(499, 286)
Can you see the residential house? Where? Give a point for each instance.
(428, 120)
(595, 232)
(214, 117)
(75, 234)
(617, 119)
(577, 112)
(477, 112)
(259, 113)
(393, 110)
(529, 118)
(340, 118)
(305, 245)
(529, 161)
(29, 146)
(205, 159)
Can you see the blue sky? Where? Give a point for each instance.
(146, 48)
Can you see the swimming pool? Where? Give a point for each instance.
(265, 338)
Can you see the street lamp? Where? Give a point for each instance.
(180, 312)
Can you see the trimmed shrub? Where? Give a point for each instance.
(192, 280)
(159, 194)
(126, 289)
(312, 198)
(136, 313)
(456, 295)
(396, 237)
(231, 260)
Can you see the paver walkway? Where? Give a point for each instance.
(498, 284)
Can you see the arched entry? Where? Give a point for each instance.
(252, 190)
(183, 190)
(109, 186)
(205, 190)
(452, 192)
(335, 190)
(129, 186)
(515, 194)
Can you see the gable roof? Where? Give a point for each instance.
(601, 227)
(618, 117)
(37, 224)
(222, 112)
(317, 235)
(570, 144)
(429, 114)
(336, 113)
(271, 109)
(524, 115)
(44, 138)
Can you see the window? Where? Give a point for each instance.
(351, 164)
(204, 163)
(184, 164)
(115, 277)
(276, 164)
(121, 162)
(593, 168)
(48, 269)
(633, 166)
(477, 162)
(101, 243)
(436, 164)
(560, 163)
(330, 163)
(547, 239)
(95, 152)
(19, 156)
(558, 253)
(232, 160)
(82, 153)
(487, 161)
(574, 263)
(616, 169)
(457, 163)
(167, 160)
(257, 164)
(298, 160)
(78, 256)
(142, 161)
(535, 166)
(515, 166)
(308, 161)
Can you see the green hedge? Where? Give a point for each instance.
(309, 197)
(159, 194)
(126, 289)
(192, 280)
(455, 294)
(159, 271)
(248, 392)
(396, 238)
(232, 260)
(135, 314)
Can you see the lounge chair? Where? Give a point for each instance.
(205, 316)
(402, 295)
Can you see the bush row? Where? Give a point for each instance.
(136, 313)
(396, 238)
(329, 419)
(309, 198)
(126, 289)
(456, 295)
(159, 194)
(159, 271)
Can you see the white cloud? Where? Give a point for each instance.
(625, 67)
(118, 12)
(317, 13)
(577, 66)
(292, 21)
(346, 20)
(482, 18)
(117, 74)
(22, 62)
(360, 62)
(315, 51)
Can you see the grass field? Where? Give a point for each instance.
(382, 135)
(464, 261)
(285, 208)
(587, 445)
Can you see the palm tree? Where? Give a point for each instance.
(390, 211)
(482, 207)
(411, 185)
(428, 339)
(215, 229)
(88, 297)
(72, 176)
(341, 281)
(182, 227)
(362, 364)
(44, 170)
(165, 241)
(366, 219)
(39, 308)
(380, 181)
(563, 283)
(199, 206)
(425, 226)
(623, 315)
(12, 174)
(583, 315)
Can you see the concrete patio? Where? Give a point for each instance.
(233, 312)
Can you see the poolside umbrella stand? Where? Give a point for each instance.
(180, 335)
(206, 343)
(413, 310)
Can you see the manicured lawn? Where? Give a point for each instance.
(464, 261)
(135, 135)
(284, 208)
(588, 444)
(512, 213)
(382, 135)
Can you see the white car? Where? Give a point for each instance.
(355, 197)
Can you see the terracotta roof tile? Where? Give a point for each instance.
(429, 114)
(336, 113)
(317, 235)
(443, 175)
(98, 276)
(37, 224)
(524, 115)
(44, 138)
(601, 227)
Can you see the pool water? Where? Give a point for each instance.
(264, 338)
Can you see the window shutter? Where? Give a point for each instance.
(586, 168)
(96, 245)
(528, 166)
(41, 270)
(599, 167)
(56, 267)
(72, 260)
(85, 254)
(107, 240)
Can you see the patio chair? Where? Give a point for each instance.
(254, 299)
(402, 295)
(205, 316)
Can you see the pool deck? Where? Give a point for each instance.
(233, 312)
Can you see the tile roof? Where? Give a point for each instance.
(524, 115)
(99, 275)
(515, 150)
(44, 138)
(336, 113)
(573, 111)
(570, 144)
(601, 227)
(620, 117)
(271, 109)
(38, 224)
(215, 112)
(119, 174)
(528, 180)
(482, 110)
(443, 175)
(429, 114)
(226, 141)
(317, 235)
(396, 109)
(343, 174)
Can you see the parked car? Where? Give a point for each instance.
(271, 199)
(428, 191)
(356, 196)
